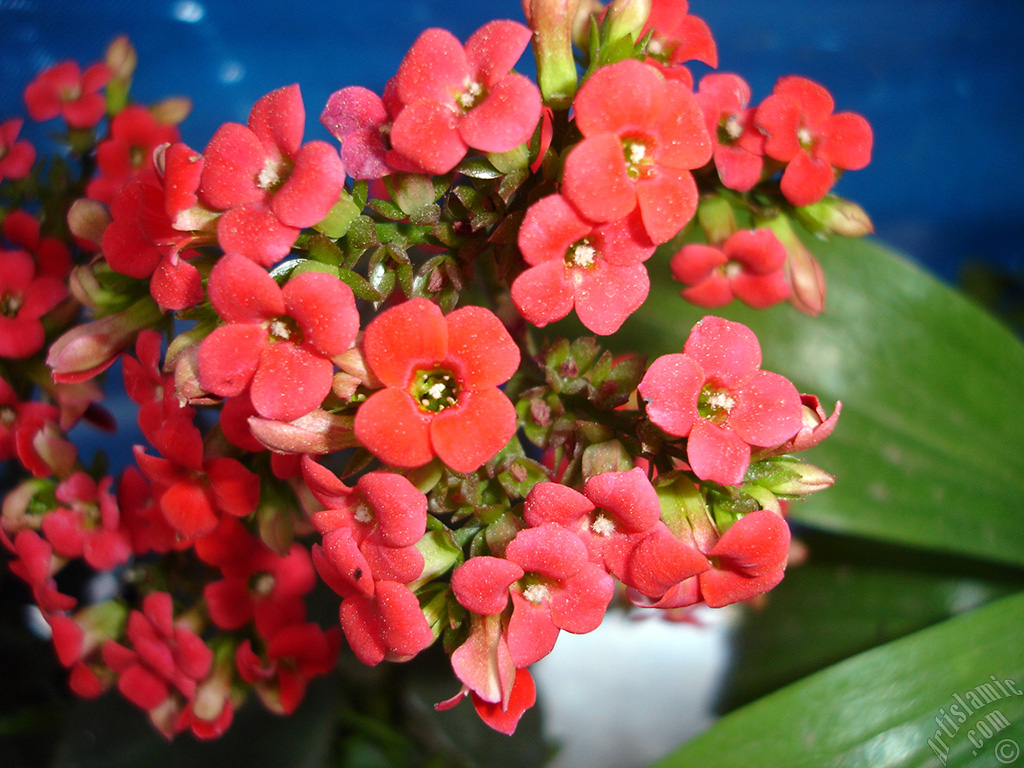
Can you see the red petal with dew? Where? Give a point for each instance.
(228, 358)
(594, 179)
(289, 381)
(728, 352)
(506, 118)
(312, 187)
(468, 435)
(671, 387)
(278, 120)
(717, 454)
(543, 294)
(402, 339)
(394, 429)
(485, 352)
(325, 310)
(233, 161)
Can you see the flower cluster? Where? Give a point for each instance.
(333, 351)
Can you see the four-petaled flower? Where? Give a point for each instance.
(269, 184)
(452, 97)
(642, 135)
(715, 394)
(279, 341)
(441, 376)
(803, 132)
(596, 268)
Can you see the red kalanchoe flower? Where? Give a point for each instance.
(803, 132)
(678, 36)
(142, 242)
(749, 266)
(134, 134)
(51, 255)
(715, 395)
(574, 263)
(441, 377)
(88, 523)
(193, 491)
(642, 136)
(294, 655)
(25, 297)
(725, 100)
(383, 517)
(615, 512)
(747, 561)
(361, 121)
(552, 583)
(16, 157)
(454, 97)
(279, 340)
(64, 89)
(166, 658)
(269, 183)
(258, 585)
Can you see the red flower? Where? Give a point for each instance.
(362, 122)
(141, 241)
(270, 184)
(295, 654)
(16, 157)
(750, 266)
(614, 512)
(194, 491)
(454, 97)
(88, 523)
(25, 297)
(724, 99)
(134, 134)
(551, 581)
(642, 135)
(441, 377)
(678, 37)
(596, 268)
(281, 340)
(370, 531)
(166, 658)
(803, 132)
(715, 394)
(64, 89)
(51, 255)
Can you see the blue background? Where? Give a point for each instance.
(940, 81)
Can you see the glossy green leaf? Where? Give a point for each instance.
(947, 695)
(929, 450)
(841, 601)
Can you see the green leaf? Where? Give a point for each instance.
(929, 450)
(899, 705)
(797, 632)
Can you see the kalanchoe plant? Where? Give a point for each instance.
(339, 374)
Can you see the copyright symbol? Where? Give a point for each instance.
(1007, 751)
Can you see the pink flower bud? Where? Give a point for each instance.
(317, 432)
(89, 349)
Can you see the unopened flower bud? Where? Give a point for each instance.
(803, 271)
(552, 25)
(87, 220)
(317, 432)
(786, 476)
(627, 17)
(717, 219)
(172, 110)
(89, 349)
(836, 216)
